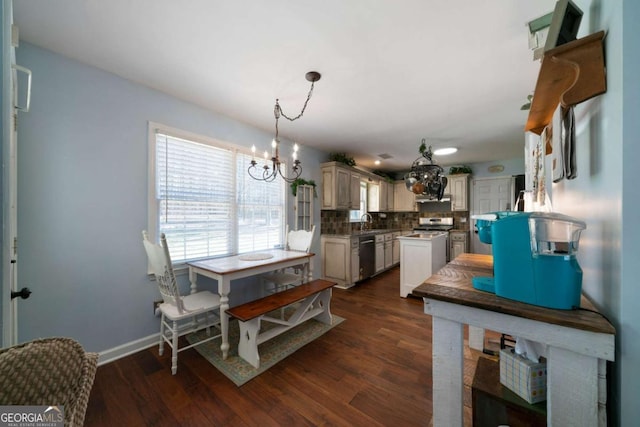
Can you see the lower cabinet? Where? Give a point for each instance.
(341, 257)
(388, 250)
(340, 260)
(459, 243)
(395, 250)
(355, 261)
(379, 253)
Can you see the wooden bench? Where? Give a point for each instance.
(314, 300)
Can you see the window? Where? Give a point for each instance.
(354, 216)
(202, 198)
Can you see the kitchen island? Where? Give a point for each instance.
(421, 255)
(578, 344)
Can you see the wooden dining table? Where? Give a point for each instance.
(578, 344)
(226, 269)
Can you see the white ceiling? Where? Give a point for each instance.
(393, 72)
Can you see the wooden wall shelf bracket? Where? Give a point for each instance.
(569, 74)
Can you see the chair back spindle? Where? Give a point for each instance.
(160, 262)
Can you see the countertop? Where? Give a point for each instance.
(424, 235)
(373, 232)
(453, 284)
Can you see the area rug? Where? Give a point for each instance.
(271, 352)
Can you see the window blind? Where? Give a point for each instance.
(208, 206)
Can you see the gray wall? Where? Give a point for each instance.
(606, 193)
(83, 199)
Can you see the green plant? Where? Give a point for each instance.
(342, 158)
(384, 175)
(423, 147)
(454, 170)
(527, 106)
(302, 181)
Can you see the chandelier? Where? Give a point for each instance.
(272, 168)
(425, 178)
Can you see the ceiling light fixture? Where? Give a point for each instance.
(426, 179)
(269, 173)
(444, 151)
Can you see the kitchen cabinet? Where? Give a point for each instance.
(340, 259)
(404, 200)
(388, 250)
(374, 196)
(355, 261)
(458, 187)
(354, 190)
(340, 187)
(304, 207)
(395, 251)
(459, 243)
(386, 196)
(379, 253)
(380, 194)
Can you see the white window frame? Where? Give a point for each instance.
(355, 215)
(152, 204)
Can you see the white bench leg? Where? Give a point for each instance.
(325, 301)
(248, 343)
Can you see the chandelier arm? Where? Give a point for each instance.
(270, 173)
(296, 170)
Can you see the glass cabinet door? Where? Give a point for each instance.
(304, 207)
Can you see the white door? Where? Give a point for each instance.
(10, 181)
(489, 195)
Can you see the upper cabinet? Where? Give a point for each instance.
(340, 187)
(380, 195)
(458, 187)
(569, 74)
(390, 197)
(304, 207)
(404, 200)
(374, 196)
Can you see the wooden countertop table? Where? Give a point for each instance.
(229, 268)
(578, 344)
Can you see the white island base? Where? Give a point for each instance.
(421, 255)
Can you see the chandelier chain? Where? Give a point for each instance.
(304, 107)
(270, 172)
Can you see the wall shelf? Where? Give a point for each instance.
(569, 74)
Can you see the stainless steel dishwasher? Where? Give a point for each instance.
(367, 253)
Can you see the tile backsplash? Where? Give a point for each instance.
(337, 222)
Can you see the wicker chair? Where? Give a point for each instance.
(49, 371)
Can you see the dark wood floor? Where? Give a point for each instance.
(374, 369)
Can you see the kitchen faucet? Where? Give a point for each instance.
(363, 220)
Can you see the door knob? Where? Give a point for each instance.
(22, 293)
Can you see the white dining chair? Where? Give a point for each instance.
(179, 314)
(297, 240)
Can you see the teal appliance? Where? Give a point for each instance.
(534, 257)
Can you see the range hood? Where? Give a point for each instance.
(426, 199)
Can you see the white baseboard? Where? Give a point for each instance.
(126, 349)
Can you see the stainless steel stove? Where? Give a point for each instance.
(432, 224)
(443, 224)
